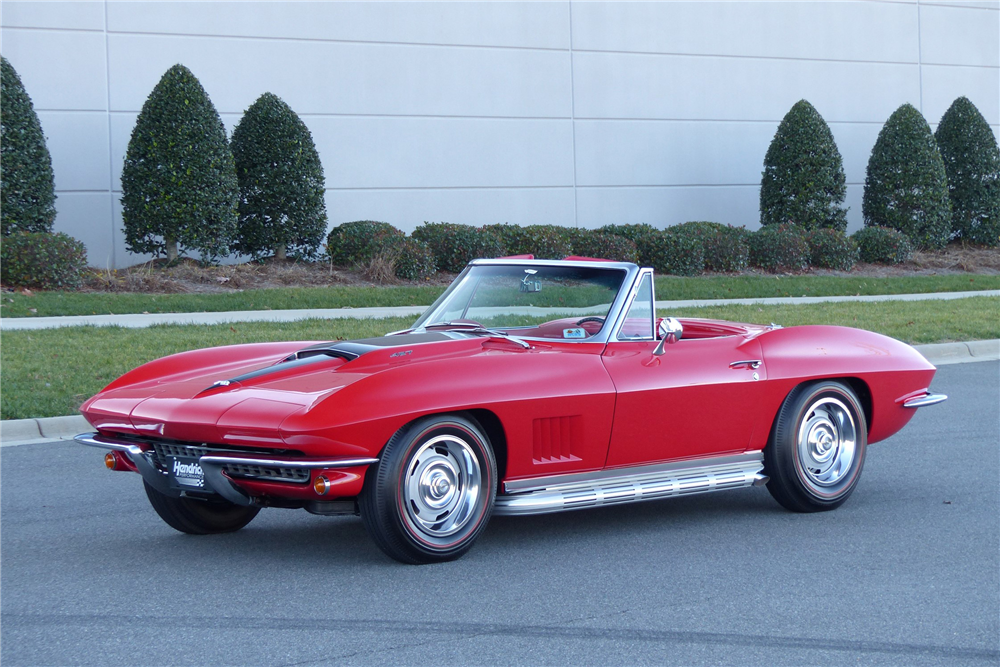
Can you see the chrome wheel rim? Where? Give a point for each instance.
(827, 443)
(442, 488)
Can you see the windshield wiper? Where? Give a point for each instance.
(498, 334)
(435, 325)
(466, 327)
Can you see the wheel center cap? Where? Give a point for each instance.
(440, 486)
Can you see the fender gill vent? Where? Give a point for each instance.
(556, 439)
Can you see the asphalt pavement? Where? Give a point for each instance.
(907, 572)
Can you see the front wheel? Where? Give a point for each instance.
(431, 493)
(817, 447)
(199, 517)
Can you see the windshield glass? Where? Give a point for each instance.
(539, 301)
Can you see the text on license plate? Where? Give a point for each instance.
(187, 472)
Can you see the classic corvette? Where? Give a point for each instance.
(529, 386)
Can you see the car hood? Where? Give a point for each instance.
(242, 394)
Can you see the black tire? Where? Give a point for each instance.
(431, 493)
(817, 447)
(200, 517)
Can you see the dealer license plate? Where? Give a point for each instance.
(186, 473)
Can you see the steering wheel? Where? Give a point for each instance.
(599, 320)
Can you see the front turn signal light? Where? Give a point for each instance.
(110, 462)
(321, 485)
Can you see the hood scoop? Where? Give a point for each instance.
(346, 350)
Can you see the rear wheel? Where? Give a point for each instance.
(817, 447)
(431, 493)
(200, 517)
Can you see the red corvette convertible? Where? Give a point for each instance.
(529, 386)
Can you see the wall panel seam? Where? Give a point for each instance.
(667, 54)
(318, 40)
(45, 29)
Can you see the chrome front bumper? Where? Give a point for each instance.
(213, 466)
(925, 400)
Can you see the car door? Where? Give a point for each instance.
(693, 400)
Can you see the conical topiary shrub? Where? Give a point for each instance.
(906, 187)
(27, 188)
(972, 162)
(803, 181)
(179, 186)
(282, 207)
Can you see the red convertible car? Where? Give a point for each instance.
(529, 386)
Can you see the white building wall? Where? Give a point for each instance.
(579, 113)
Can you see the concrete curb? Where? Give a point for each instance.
(14, 432)
(138, 321)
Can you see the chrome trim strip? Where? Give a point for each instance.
(627, 485)
(309, 464)
(925, 400)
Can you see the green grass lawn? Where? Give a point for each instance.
(43, 304)
(51, 372)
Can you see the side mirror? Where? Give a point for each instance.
(669, 330)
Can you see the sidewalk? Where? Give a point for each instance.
(15, 432)
(149, 319)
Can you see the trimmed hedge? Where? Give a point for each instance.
(881, 245)
(42, 260)
(779, 248)
(725, 248)
(832, 249)
(356, 242)
(27, 187)
(179, 186)
(972, 162)
(672, 252)
(598, 245)
(906, 187)
(415, 260)
(282, 208)
(456, 245)
(542, 241)
(803, 180)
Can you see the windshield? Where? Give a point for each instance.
(538, 301)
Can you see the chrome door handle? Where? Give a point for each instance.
(749, 363)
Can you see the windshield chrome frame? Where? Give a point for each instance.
(632, 293)
(626, 289)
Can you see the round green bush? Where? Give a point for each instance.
(972, 162)
(832, 249)
(282, 208)
(415, 260)
(725, 248)
(42, 260)
(906, 187)
(27, 188)
(881, 245)
(179, 186)
(779, 248)
(803, 180)
(357, 242)
(671, 252)
(456, 245)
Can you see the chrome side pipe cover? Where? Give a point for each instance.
(560, 493)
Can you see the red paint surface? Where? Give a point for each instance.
(624, 405)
